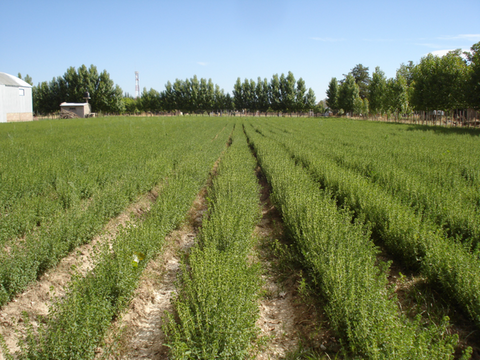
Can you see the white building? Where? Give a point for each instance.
(16, 102)
(80, 109)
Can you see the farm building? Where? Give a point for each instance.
(80, 109)
(15, 99)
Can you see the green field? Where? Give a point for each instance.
(346, 191)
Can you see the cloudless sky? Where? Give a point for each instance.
(227, 39)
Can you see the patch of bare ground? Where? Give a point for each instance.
(138, 334)
(34, 302)
(290, 319)
(417, 296)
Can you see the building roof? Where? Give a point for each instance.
(10, 80)
(73, 104)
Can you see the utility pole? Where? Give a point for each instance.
(137, 85)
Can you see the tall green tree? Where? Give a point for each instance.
(376, 92)
(347, 93)
(425, 78)
(181, 95)
(71, 87)
(261, 91)
(453, 72)
(150, 100)
(332, 95)
(203, 96)
(169, 97)
(362, 79)
(193, 94)
(106, 96)
(310, 100)
(131, 105)
(440, 82)
(229, 103)
(358, 106)
(210, 96)
(275, 93)
(300, 96)
(238, 95)
(397, 96)
(219, 99)
(406, 70)
(249, 88)
(287, 87)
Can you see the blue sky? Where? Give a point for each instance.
(224, 40)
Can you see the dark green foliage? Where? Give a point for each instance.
(59, 188)
(342, 260)
(406, 214)
(216, 307)
(105, 95)
(77, 323)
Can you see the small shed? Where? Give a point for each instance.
(16, 102)
(80, 109)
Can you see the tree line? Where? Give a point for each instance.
(449, 83)
(280, 94)
(71, 87)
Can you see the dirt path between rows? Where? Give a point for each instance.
(288, 319)
(36, 299)
(138, 334)
(284, 317)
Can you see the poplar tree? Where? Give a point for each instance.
(310, 99)
(275, 94)
(376, 92)
(288, 92)
(261, 92)
(238, 97)
(332, 95)
(347, 93)
(300, 100)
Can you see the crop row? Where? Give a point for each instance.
(341, 258)
(419, 242)
(216, 306)
(25, 259)
(52, 167)
(434, 174)
(77, 322)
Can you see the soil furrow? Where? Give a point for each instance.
(288, 318)
(138, 334)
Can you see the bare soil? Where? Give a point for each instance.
(285, 317)
(138, 334)
(289, 319)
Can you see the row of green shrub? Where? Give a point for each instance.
(48, 168)
(77, 322)
(66, 229)
(419, 242)
(341, 258)
(216, 306)
(436, 174)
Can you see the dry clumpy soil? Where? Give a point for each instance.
(286, 317)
